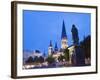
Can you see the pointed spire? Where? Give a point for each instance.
(84, 37)
(50, 43)
(56, 47)
(63, 35)
(44, 54)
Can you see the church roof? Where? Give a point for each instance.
(70, 45)
(61, 50)
(63, 35)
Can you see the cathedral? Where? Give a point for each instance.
(55, 52)
(66, 55)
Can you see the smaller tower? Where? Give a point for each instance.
(44, 55)
(64, 42)
(56, 47)
(50, 49)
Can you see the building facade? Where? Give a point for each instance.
(55, 52)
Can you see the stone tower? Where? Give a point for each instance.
(50, 48)
(64, 41)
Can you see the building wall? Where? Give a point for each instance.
(64, 43)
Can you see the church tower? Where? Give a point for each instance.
(50, 49)
(64, 42)
(56, 47)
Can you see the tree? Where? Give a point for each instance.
(61, 57)
(41, 59)
(66, 54)
(36, 59)
(30, 60)
(86, 45)
(50, 59)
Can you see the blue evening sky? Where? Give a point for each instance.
(42, 26)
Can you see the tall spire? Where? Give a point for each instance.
(64, 43)
(63, 35)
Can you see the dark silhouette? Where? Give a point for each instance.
(30, 60)
(75, 37)
(37, 51)
(78, 56)
(41, 59)
(86, 45)
(36, 59)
